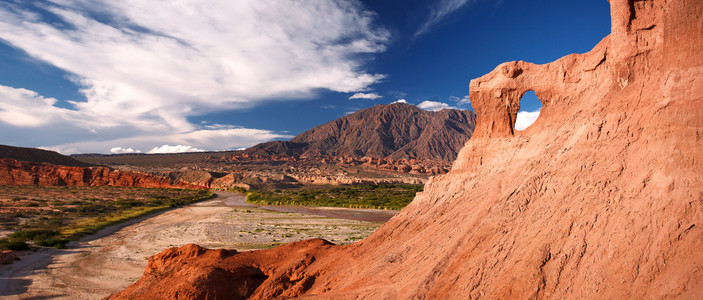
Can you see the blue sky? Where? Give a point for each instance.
(84, 76)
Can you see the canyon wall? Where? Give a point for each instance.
(15, 172)
(601, 197)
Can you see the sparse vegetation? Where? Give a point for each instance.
(238, 189)
(394, 196)
(53, 216)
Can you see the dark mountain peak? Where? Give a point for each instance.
(398, 130)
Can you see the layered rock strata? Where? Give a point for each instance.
(602, 197)
(15, 172)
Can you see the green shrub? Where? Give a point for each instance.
(238, 189)
(15, 245)
(364, 196)
(58, 243)
(33, 234)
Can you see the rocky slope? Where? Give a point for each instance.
(396, 131)
(39, 156)
(29, 166)
(600, 198)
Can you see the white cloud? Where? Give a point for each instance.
(120, 150)
(210, 140)
(25, 108)
(434, 105)
(370, 96)
(146, 66)
(174, 149)
(439, 12)
(68, 131)
(400, 101)
(461, 101)
(525, 118)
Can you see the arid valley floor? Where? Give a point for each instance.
(102, 264)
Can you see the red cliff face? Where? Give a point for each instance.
(14, 172)
(602, 197)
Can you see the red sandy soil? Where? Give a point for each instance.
(600, 198)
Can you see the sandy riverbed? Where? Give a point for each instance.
(110, 261)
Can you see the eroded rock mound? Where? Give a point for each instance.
(192, 272)
(601, 198)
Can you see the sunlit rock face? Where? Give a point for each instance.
(16, 172)
(600, 198)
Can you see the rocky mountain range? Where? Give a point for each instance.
(384, 144)
(601, 198)
(397, 131)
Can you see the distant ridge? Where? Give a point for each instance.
(39, 156)
(31, 166)
(396, 130)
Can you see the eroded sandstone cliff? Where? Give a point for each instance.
(601, 198)
(15, 172)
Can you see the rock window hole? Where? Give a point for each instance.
(529, 111)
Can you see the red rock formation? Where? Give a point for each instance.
(601, 198)
(14, 172)
(198, 273)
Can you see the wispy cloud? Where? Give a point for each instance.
(437, 13)
(145, 67)
(434, 105)
(369, 96)
(26, 117)
(461, 101)
(398, 94)
(206, 139)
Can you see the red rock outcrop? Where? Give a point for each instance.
(601, 198)
(14, 172)
(198, 273)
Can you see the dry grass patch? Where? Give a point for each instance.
(53, 215)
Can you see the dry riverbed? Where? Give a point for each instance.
(110, 261)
